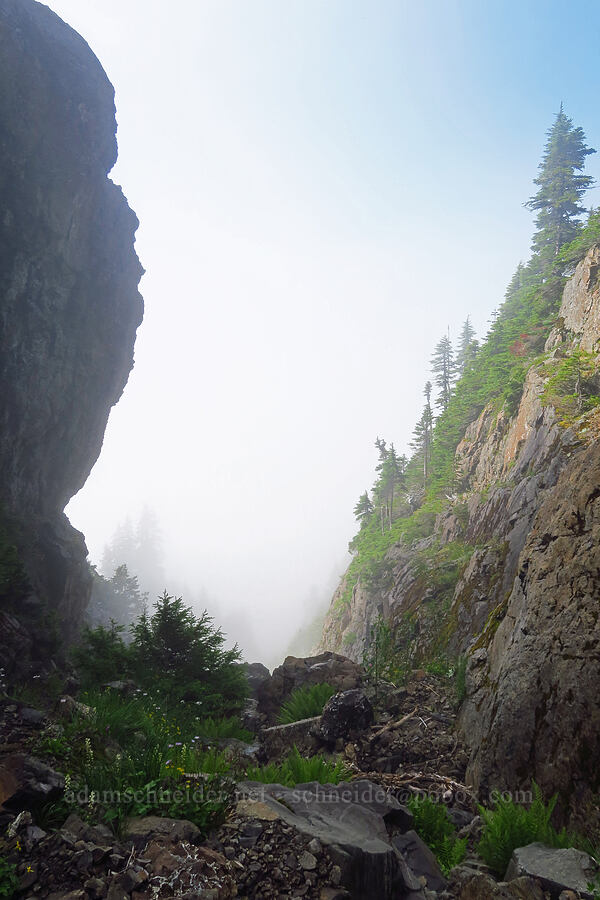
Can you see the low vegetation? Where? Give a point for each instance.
(297, 769)
(510, 825)
(435, 828)
(173, 652)
(8, 878)
(305, 702)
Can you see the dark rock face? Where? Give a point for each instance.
(532, 709)
(69, 301)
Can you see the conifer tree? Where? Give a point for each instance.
(443, 368)
(422, 435)
(467, 347)
(363, 509)
(561, 188)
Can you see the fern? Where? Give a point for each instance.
(435, 828)
(296, 769)
(224, 729)
(510, 825)
(306, 702)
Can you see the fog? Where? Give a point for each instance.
(323, 188)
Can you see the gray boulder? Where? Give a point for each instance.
(420, 860)
(350, 819)
(558, 870)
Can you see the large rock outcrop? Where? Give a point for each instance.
(69, 300)
(524, 525)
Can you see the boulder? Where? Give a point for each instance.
(469, 885)
(557, 869)
(420, 859)
(256, 675)
(297, 672)
(344, 714)
(139, 830)
(27, 782)
(68, 708)
(350, 820)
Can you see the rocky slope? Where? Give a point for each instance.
(356, 839)
(519, 544)
(69, 307)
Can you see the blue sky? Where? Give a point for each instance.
(323, 188)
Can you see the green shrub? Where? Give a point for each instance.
(8, 878)
(510, 825)
(435, 828)
(102, 655)
(306, 702)
(297, 769)
(173, 652)
(440, 667)
(187, 651)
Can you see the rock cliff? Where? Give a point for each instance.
(69, 303)
(519, 544)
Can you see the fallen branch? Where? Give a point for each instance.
(391, 725)
(410, 781)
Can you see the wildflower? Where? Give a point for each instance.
(178, 743)
(29, 869)
(168, 763)
(18, 845)
(171, 746)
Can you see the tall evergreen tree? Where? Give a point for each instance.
(422, 435)
(467, 347)
(363, 509)
(561, 188)
(443, 368)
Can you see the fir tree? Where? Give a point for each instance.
(363, 509)
(467, 347)
(423, 433)
(443, 368)
(561, 188)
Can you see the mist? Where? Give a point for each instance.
(323, 188)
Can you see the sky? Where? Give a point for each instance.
(324, 187)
